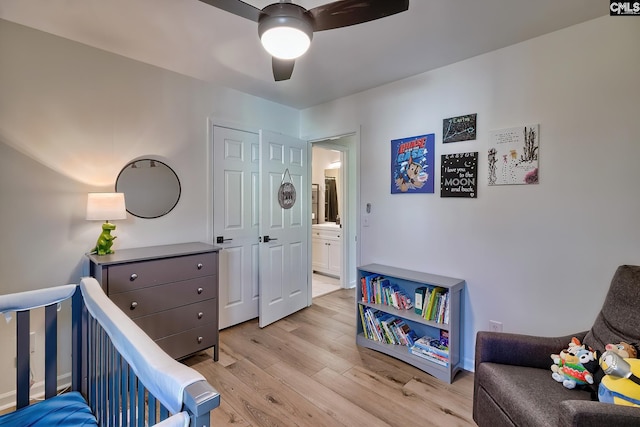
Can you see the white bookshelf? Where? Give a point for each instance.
(409, 281)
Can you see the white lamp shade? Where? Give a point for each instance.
(285, 42)
(106, 206)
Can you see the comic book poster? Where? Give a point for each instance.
(412, 164)
(513, 155)
(459, 175)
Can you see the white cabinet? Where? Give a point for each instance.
(327, 250)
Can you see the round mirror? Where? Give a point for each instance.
(151, 188)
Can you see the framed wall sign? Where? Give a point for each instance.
(513, 155)
(461, 128)
(286, 192)
(459, 175)
(412, 163)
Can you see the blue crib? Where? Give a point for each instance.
(120, 377)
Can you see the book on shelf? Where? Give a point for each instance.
(419, 299)
(364, 323)
(430, 357)
(377, 289)
(432, 345)
(435, 306)
(432, 349)
(444, 338)
(385, 328)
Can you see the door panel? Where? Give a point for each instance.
(235, 219)
(284, 271)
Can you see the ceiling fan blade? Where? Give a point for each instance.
(282, 68)
(351, 12)
(236, 7)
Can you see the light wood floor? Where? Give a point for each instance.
(306, 370)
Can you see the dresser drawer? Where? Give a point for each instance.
(141, 274)
(189, 342)
(154, 299)
(176, 320)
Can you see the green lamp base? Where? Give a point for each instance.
(105, 240)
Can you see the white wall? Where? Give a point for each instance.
(71, 117)
(538, 258)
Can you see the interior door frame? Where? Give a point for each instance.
(352, 221)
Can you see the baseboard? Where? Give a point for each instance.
(8, 399)
(468, 364)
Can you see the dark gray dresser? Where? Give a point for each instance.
(170, 291)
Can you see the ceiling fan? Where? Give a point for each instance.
(286, 29)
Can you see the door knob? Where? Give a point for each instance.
(221, 239)
(267, 239)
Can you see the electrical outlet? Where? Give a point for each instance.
(495, 326)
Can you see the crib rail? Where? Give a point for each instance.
(109, 383)
(115, 395)
(23, 359)
(22, 305)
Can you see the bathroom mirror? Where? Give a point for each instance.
(151, 188)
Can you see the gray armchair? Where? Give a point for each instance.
(513, 384)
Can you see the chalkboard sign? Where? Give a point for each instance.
(461, 128)
(459, 175)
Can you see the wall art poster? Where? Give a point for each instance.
(461, 128)
(513, 155)
(412, 162)
(459, 175)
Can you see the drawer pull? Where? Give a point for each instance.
(200, 291)
(199, 340)
(133, 306)
(200, 315)
(200, 266)
(133, 277)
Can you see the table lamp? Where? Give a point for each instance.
(105, 207)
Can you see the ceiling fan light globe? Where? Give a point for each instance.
(285, 42)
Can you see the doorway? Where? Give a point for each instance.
(326, 228)
(333, 239)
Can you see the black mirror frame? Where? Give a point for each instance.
(155, 161)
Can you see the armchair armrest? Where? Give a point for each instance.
(585, 413)
(520, 350)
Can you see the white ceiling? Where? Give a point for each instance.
(201, 41)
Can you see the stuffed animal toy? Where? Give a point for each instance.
(623, 349)
(570, 351)
(621, 384)
(575, 366)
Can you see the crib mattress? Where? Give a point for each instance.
(68, 409)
